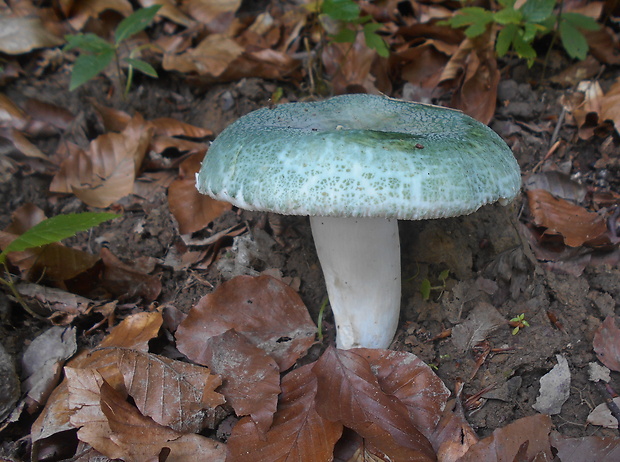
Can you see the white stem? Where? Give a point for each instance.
(360, 258)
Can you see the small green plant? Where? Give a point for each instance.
(99, 53)
(426, 287)
(519, 27)
(518, 323)
(47, 232)
(347, 14)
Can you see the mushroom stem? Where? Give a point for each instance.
(360, 258)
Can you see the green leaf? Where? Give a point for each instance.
(142, 66)
(531, 30)
(580, 21)
(508, 16)
(537, 10)
(471, 16)
(507, 3)
(55, 229)
(425, 289)
(444, 275)
(345, 35)
(341, 10)
(135, 22)
(475, 30)
(88, 66)
(87, 42)
(375, 41)
(505, 39)
(524, 49)
(573, 41)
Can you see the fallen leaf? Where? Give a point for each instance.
(406, 377)
(348, 392)
(554, 388)
(169, 11)
(483, 320)
(504, 444)
(217, 15)
(134, 332)
(606, 344)
(558, 184)
(266, 311)
(107, 171)
(592, 448)
(297, 432)
(192, 210)
(64, 306)
(42, 363)
(81, 11)
(166, 126)
(453, 436)
(602, 416)
(610, 105)
(211, 57)
(123, 280)
(575, 224)
(19, 35)
(251, 379)
(348, 66)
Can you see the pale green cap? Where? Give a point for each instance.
(360, 156)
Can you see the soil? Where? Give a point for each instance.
(487, 254)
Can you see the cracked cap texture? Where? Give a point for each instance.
(360, 156)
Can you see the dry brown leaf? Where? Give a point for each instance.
(575, 224)
(251, 379)
(408, 378)
(11, 115)
(124, 281)
(610, 105)
(174, 394)
(134, 332)
(607, 343)
(269, 313)
(297, 432)
(453, 436)
(348, 66)
(56, 116)
(80, 12)
(349, 392)
(20, 35)
(603, 45)
(140, 438)
(505, 442)
(114, 120)
(168, 10)
(166, 126)
(218, 15)
(592, 448)
(192, 210)
(160, 143)
(473, 68)
(211, 57)
(106, 172)
(63, 305)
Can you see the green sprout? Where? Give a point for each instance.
(518, 322)
(426, 287)
(97, 53)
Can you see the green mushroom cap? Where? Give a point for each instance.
(360, 156)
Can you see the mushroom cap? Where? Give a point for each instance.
(360, 156)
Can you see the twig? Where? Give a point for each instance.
(613, 407)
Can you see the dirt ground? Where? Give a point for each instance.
(487, 253)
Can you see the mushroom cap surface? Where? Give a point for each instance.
(360, 156)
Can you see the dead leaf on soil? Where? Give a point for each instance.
(575, 224)
(192, 210)
(42, 363)
(107, 170)
(124, 281)
(602, 416)
(505, 442)
(134, 332)
(211, 57)
(408, 378)
(251, 378)
(79, 12)
(169, 11)
(483, 320)
(349, 392)
(606, 344)
(453, 436)
(19, 35)
(297, 432)
(554, 388)
(64, 306)
(586, 448)
(266, 311)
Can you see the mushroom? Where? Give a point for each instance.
(356, 164)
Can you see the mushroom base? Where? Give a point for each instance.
(360, 258)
